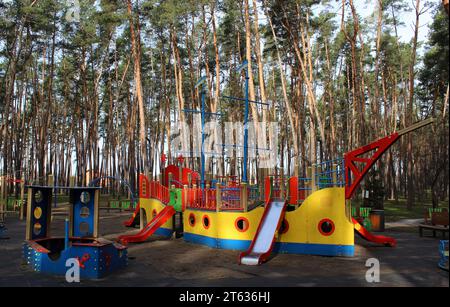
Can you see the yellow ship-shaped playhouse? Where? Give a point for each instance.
(321, 225)
(295, 215)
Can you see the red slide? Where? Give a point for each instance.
(133, 220)
(151, 227)
(365, 234)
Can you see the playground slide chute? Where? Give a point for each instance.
(151, 227)
(264, 239)
(134, 218)
(365, 234)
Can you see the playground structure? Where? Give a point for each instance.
(97, 257)
(299, 215)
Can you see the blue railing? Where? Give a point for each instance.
(330, 174)
(253, 193)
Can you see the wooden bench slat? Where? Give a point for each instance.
(435, 227)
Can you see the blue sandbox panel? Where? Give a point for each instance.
(100, 262)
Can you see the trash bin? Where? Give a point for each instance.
(376, 217)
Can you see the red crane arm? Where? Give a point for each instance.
(352, 173)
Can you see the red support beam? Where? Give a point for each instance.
(352, 173)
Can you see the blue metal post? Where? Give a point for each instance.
(244, 175)
(202, 174)
(66, 234)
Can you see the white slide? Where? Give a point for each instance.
(264, 239)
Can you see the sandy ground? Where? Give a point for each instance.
(173, 262)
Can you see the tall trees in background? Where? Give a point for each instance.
(98, 96)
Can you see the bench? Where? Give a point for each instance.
(439, 223)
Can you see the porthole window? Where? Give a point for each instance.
(206, 222)
(284, 226)
(154, 213)
(84, 227)
(85, 197)
(326, 227)
(242, 224)
(192, 220)
(84, 212)
(38, 196)
(37, 229)
(37, 213)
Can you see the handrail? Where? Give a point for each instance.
(160, 192)
(197, 198)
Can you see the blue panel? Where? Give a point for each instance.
(193, 238)
(98, 261)
(315, 249)
(288, 248)
(241, 245)
(166, 232)
(78, 205)
(45, 207)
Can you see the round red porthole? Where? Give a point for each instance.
(284, 226)
(192, 219)
(241, 224)
(326, 227)
(154, 213)
(206, 222)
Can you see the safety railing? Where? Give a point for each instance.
(160, 192)
(304, 188)
(279, 186)
(223, 198)
(197, 198)
(253, 193)
(230, 198)
(322, 175)
(176, 183)
(330, 174)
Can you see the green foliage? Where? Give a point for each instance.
(87, 96)
(435, 75)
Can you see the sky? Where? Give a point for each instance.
(406, 32)
(366, 8)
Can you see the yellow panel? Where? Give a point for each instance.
(324, 204)
(223, 224)
(303, 223)
(153, 204)
(228, 228)
(199, 228)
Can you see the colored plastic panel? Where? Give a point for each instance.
(83, 211)
(40, 212)
(176, 199)
(176, 180)
(144, 186)
(293, 191)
